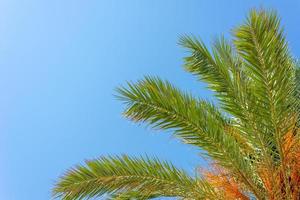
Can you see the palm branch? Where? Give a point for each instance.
(251, 137)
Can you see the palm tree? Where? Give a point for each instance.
(251, 137)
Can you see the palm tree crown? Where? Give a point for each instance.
(251, 137)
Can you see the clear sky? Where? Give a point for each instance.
(61, 60)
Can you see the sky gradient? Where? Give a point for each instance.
(60, 62)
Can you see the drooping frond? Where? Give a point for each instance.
(120, 175)
(195, 121)
(163, 106)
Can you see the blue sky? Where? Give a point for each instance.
(60, 62)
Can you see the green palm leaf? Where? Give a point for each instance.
(261, 42)
(116, 175)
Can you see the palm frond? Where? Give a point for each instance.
(120, 175)
(261, 43)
